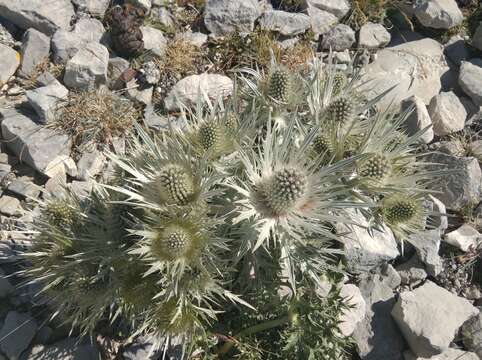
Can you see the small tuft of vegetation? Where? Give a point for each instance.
(95, 116)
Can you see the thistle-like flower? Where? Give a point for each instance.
(175, 185)
(376, 167)
(280, 86)
(339, 82)
(341, 111)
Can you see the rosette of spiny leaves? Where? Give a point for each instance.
(75, 244)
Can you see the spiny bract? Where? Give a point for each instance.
(280, 86)
(175, 241)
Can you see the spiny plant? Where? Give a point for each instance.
(219, 234)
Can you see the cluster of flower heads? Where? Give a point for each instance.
(245, 197)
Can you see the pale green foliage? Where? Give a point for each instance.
(200, 225)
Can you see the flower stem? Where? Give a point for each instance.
(253, 330)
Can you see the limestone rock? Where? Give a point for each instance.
(154, 40)
(472, 334)
(285, 23)
(338, 38)
(464, 238)
(88, 68)
(35, 50)
(470, 79)
(351, 317)
(188, 90)
(429, 318)
(321, 20)
(419, 119)
(45, 16)
(447, 113)
(93, 7)
(9, 64)
(9, 205)
(17, 332)
(46, 99)
(427, 246)
(438, 14)
(222, 17)
(67, 349)
(373, 36)
(450, 354)
(338, 8)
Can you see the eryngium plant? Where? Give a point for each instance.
(219, 234)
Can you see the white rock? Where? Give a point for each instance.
(17, 332)
(45, 16)
(89, 30)
(470, 80)
(187, 91)
(412, 68)
(222, 17)
(427, 246)
(88, 68)
(285, 23)
(464, 238)
(154, 40)
(46, 99)
(34, 144)
(195, 38)
(438, 14)
(450, 354)
(429, 317)
(65, 44)
(373, 36)
(448, 114)
(352, 316)
(366, 250)
(9, 63)
(321, 20)
(339, 8)
(9, 205)
(419, 119)
(90, 164)
(82, 189)
(441, 222)
(93, 7)
(35, 50)
(338, 38)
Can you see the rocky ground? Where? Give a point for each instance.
(420, 303)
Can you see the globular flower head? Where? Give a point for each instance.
(280, 86)
(176, 184)
(322, 144)
(339, 82)
(341, 110)
(60, 213)
(398, 209)
(376, 167)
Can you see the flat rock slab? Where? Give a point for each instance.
(67, 349)
(413, 68)
(17, 332)
(429, 317)
(470, 80)
(222, 17)
(45, 16)
(285, 23)
(34, 144)
(10, 61)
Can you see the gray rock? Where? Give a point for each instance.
(90, 164)
(427, 245)
(35, 50)
(24, 187)
(463, 238)
(439, 221)
(321, 20)
(470, 79)
(37, 146)
(88, 68)
(285, 23)
(447, 113)
(222, 17)
(9, 64)
(141, 349)
(450, 354)
(65, 44)
(352, 316)
(438, 14)
(390, 276)
(142, 95)
(9, 206)
(472, 334)
(195, 38)
(460, 185)
(46, 99)
(419, 119)
(373, 36)
(6, 37)
(93, 7)
(339, 8)
(67, 349)
(55, 187)
(5, 287)
(82, 189)
(89, 30)
(45, 16)
(413, 68)
(477, 39)
(17, 332)
(456, 50)
(188, 90)
(365, 250)
(377, 335)
(164, 17)
(338, 38)
(421, 312)
(412, 272)
(154, 40)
